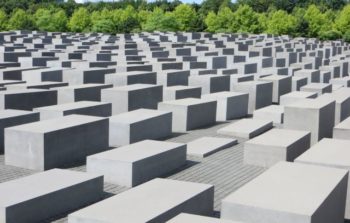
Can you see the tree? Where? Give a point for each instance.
(342, 22)
(160, 21)
(42, 19)
(317, 21)
(302, 25)
(220, 22)
(186, 17)
(59, 21)
(214, 6)
(245, 20)
(20, 20)
(3, 20)
(80, 20)
(281, 22)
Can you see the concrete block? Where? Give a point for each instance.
(93, 108)
(230, 105)
(276, 145)
(10, 117)
(319, 88)
(296, 96)
(246, 128)
(302, 194)
(281, 85)
(210, 83)
(342, 130)
(206, 146)
(172, 198)
(188, 113)
(137, 163)
(298, 82)
(313, 76)
(314, 115)
(273, 113)
(134, 126)
(44, 195)
(56, 142)
(132, 97)
(180, 92)
(260, 93)
(191, 218)
(330, 153)
(128, 78)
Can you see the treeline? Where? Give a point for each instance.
(324, 19)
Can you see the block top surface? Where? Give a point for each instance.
(137, 151)
(247, 125)
(187, 101)
(8, 113)
(180, 87)
(332, 152)
(344, 124)
(33, 186)
(79, 86)
(137, 115)
(275, 77)
(316, 86)
(206, 144)
(279, 137)
(300, 94)
(272, 109)
(56, 124)
(133, 87)
(148, 200)
(23, 91)
(69, 106)
(289, 184)
(317, 103)
(223, 95)
(191, 218)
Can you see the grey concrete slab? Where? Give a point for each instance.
(133, 97)
(319, 88)
(296, 96)
(188, 113)
(180, 92)
(230, 105)
(134, 77)
(289, 184)
(137, 163)
(314, 115)
(276, 145)
(134, 126)
(191, 218)
(43, 195)
(330, 153)
(210, 83)
(92, 108)
(273, 113)
(281, 85)
(56, 142)
(172, 197)
(206, 146)
(246, 128)
(342, 130)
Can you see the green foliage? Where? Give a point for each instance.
(317, 21)
(158, 20)
(281, 23)
(220, 22)
(186, 17)
(3, 20)
(20, 20)
(346, 36)
(342, 22)
(330, 35)
(80, 20)
(245, 20)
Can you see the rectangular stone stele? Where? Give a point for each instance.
(56, 142)
(319, 88)
(272, 112)
(274, 146)
(206, 146)
(342, 130)
(93, 108)
(47, 194)
(296, 96)
(301, 193)
(155, 201)
(230, 105)
(134, 126)
(188, 113)
(133, 97)
(314, 115)
(11, 117)
(191, 218)
(137, 163)
(332, 153)
(180, 92)
(246, 128)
